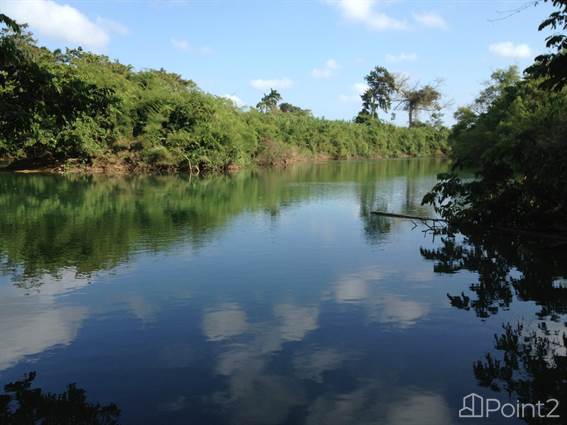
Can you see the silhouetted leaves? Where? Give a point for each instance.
(23, 405)
(552, 67)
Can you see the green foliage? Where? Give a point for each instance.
(385, 88)
(552, 67)
(515, 136)
(10, 23)
(288, 107)
(269, 102)
(518, 146)
(499, 81)
(60, 106)
(381, 87)
(418, 99)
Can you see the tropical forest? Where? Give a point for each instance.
(381, 240)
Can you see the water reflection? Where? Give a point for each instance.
(529, 361)
(369, 404)
(31, 321)
(23, 404)
(530, 364)
(266, 297)
(381, 305)
(508, 268)
(295, 321)
(50, 223)
(354, 287)
(401, 312)
(225, 322)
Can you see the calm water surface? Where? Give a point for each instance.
(271, 297)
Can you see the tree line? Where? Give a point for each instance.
(84, 111)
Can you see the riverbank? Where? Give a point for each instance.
(117, 166)
(130, 163)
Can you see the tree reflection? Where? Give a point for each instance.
(530, 359)
(23, 405)
(87, 223)
(532, 364)
(506, 268)
(408, 180)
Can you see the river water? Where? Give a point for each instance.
(273, 297)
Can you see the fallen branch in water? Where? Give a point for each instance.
(560, 238)
(409, 217)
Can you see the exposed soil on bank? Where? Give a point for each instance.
(119, 166)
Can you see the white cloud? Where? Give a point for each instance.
(419, 408)
(180, 44)
(61, 22)
(276, 83)
(348, 98)
(360, 88)
(400, 312)
(31, 320)
(402, 57)
(312, 364)
(27, 334)
(184, 45)
(112, 26)
(327, 70)
(430, 20)
(351, 290)
(206, 50)
(357, 90)
(296, 321)
(507, 49)
(365, 12)
(238, 102)
(226, 322)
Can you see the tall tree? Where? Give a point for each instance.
(417, 99)
(10, 23)
(269, 102)
(381, 87)
(553, 66)
(289, 108)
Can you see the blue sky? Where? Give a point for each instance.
(315, 52)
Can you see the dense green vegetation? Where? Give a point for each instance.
(515, 136)
(76, 107)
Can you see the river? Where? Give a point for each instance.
(272, 297)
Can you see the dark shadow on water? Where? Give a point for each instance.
(529, 361)
(507, 269)
(21, 404)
